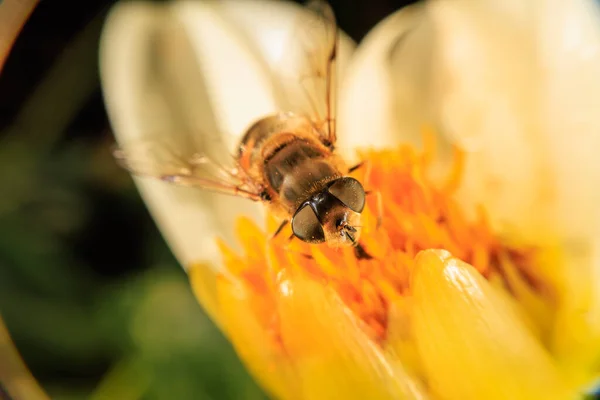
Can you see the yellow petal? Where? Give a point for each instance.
(334, 358)
(400, 339)
(576, 341)
(472, 343)
(203, 279)
(252, 342)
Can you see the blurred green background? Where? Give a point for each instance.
(92, 297)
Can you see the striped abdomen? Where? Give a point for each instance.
(296, 170)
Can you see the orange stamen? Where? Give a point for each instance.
(417, 215)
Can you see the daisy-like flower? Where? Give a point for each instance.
(483, 281)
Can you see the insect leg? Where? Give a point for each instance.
(368, 167)
(357, 166)
(287, 247)
(280, 228)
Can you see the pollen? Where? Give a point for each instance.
(415, 214)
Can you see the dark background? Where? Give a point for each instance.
(92, 297)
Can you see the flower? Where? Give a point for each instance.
(469, 294)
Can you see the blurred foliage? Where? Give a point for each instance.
(93, 298)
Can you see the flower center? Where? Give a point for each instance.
(416, 215)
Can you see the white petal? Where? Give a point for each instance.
(376, 90)
(525, 102)
(271, 34)
(570, 54)
(134, 96)
(523, 94)
(483, 89)
(516, 85)
(571, 58)
(216, 79)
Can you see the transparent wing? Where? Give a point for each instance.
(186, 165)
(308, 70)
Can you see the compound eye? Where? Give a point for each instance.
(350, 192)
(306, 226)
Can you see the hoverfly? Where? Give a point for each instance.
(286, 161)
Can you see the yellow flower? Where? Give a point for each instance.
(484, 279)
